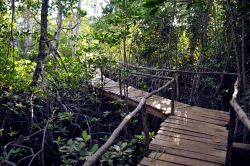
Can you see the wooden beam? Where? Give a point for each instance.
(150, 75)
(241, 146)
(241, 114)
(239, 111)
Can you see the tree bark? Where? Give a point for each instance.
(42, 42)
(59, 25)
(78, 17)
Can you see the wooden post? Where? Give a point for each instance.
(145, 130)
(230, 139)
(172, 98)
(177, 86)
(120, 83)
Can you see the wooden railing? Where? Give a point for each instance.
(236, 112)
(140, 107)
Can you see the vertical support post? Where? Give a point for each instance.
(172, 98)
(120, 82)
(177, 85)
(101, 68)
(145, 130)
(230, 139)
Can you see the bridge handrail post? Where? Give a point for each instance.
(145, 130)
(231, 127)
(120, 81)
(236, 110)
(173, 96)
(230, 139)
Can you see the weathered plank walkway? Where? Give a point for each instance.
(194, 136)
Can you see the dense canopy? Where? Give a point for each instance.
(50, 114)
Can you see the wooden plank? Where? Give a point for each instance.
(209, 116)
(197, 149)
(189, 123)
(197, 122)
(180, 160)
(190, 133)
(187, 113)
(199, 129)
(217, 111)
(217, 141)
(196, 126)
(180, 140)
(188, 154)
(241, 146)
(198, 118)
(154, 162)
(208, 111)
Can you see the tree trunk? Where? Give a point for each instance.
(78, 17)
(59, 25)
(42, 42)
(197, 78)
(245, 44)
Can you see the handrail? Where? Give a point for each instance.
(237, 109)
(181, 71)
(93, 159)
(145, 75)
(150, 75)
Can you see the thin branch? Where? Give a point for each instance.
(73, 27)
(37, 153)
(10, 163)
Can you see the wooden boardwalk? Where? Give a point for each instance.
(194, 136)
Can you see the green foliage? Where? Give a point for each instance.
(13, 152)
(74, 150)
(20, 78)
(141, 137)
(158, 33)
(121, 154)
(65, 116)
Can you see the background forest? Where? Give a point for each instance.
(49, 49)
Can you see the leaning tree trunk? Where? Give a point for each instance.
(42, 42)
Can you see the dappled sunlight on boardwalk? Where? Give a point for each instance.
(193, 136)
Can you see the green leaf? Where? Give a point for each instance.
(124, 145)
(94, 148)
(85, 136)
